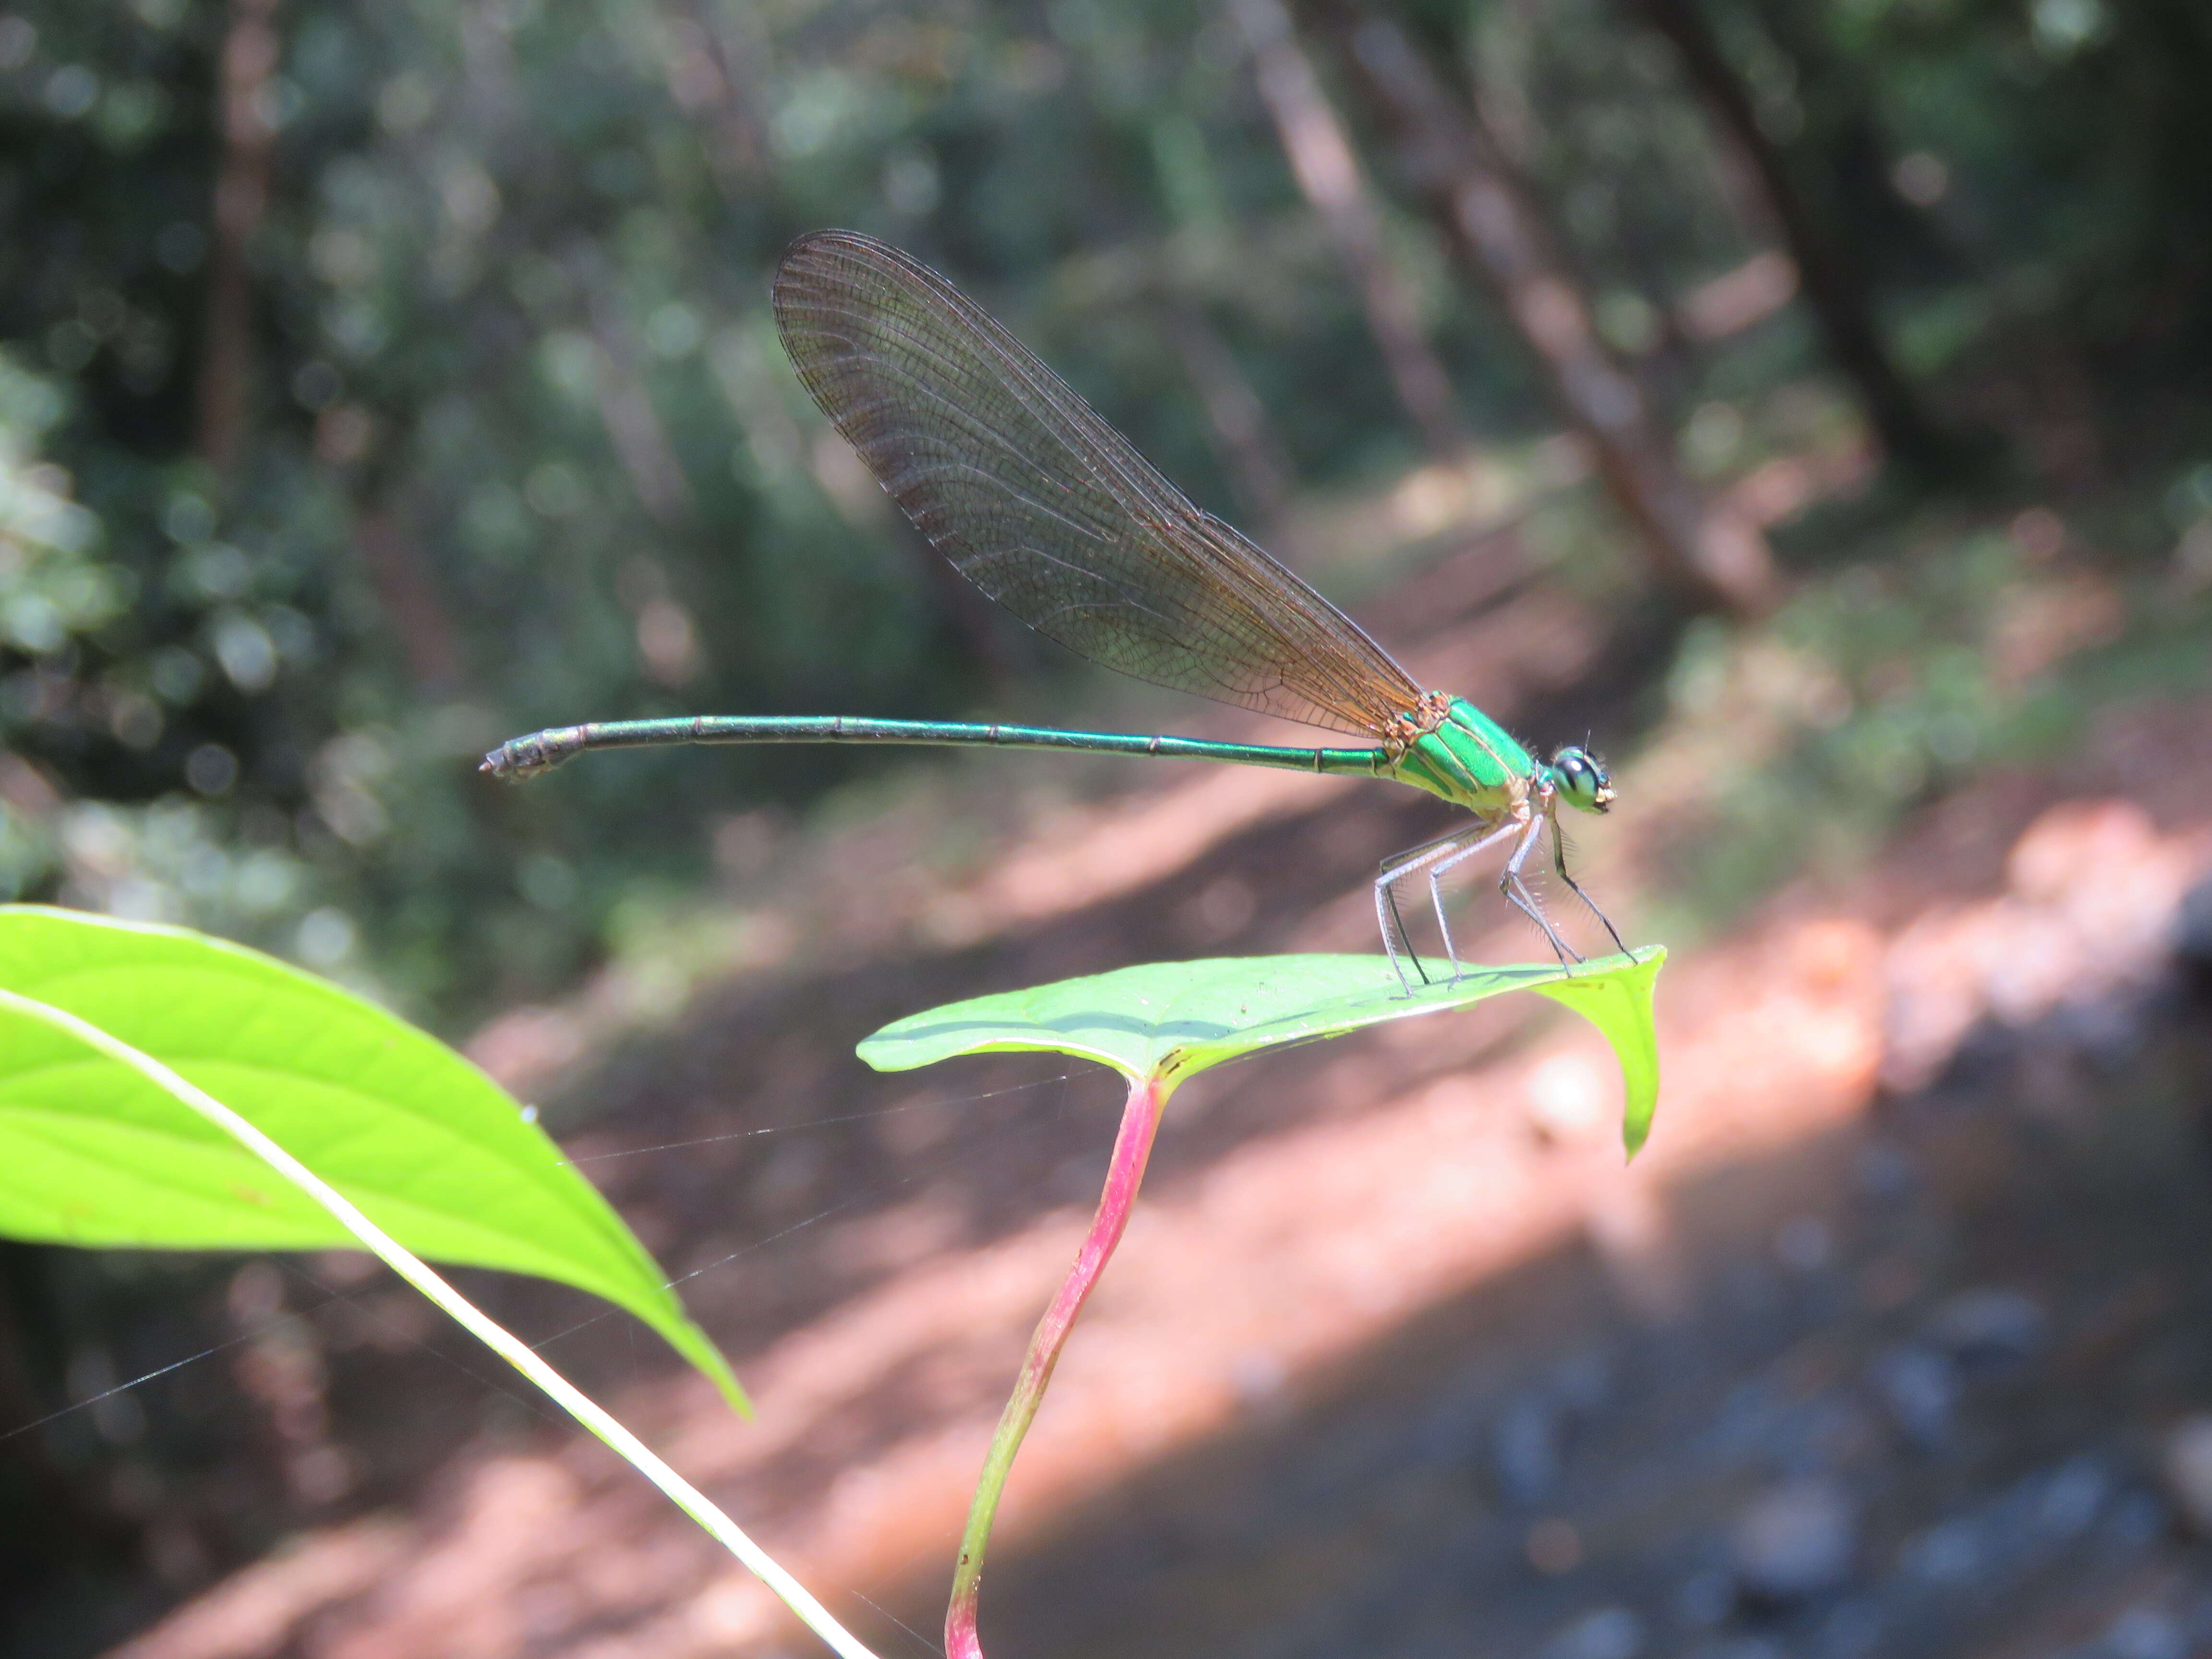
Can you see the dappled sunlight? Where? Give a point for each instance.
(526, 511)
(2091, 892)
(1274, 1258)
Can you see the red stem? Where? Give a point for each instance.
(1141, 1118)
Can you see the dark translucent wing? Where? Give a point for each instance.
(1049, 510)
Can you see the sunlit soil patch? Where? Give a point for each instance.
(1274, 1259)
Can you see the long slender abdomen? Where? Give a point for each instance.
(541, 751)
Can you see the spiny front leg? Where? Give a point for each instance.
(1515, 888)
(1560, 864)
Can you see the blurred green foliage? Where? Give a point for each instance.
(514, 444)
(519, 446)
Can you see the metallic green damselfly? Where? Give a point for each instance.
(1052, 513)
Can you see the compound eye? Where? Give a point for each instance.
(1581, 781)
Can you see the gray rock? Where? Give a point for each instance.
(1949, 1553)
(1609, 1633)
(2192, 927)
(1527, 1449)
(1990, 1328)
(1920, 1388)
(2185, 1460)
(2135, 1524)
(1853, 1630)
(2145, 1633)
(1795, 1541)
(2007, 1536)
(1886, 1172)
(1804, 1243)
(1584, 1383)
(2064, 1500)
(1706, 1599)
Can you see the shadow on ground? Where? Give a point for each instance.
(1919, 1400)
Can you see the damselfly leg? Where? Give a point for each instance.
(1387, 914)
(1439, 857)
(1515, 886)
(1560, 864)
(1437, 873)
(1442, 854)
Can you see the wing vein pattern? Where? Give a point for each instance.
(1048, 509)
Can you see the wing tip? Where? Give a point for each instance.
(810, 249)
(819, 264)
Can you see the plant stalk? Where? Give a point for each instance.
(1140, 1119)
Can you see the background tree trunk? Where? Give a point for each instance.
(1328, 171)
(241, 196)
(1714, 558)
(1833, 281)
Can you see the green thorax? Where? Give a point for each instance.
(1470, 761)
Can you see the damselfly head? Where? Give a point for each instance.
(1581, 779)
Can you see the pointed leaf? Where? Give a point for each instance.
(1171, 1020)
(433, 1150)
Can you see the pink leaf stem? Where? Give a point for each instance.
(1141, 1119)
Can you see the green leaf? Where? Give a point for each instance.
(91, 1154)
(1171, 1020)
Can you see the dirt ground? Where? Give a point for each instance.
(1893, 1342)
